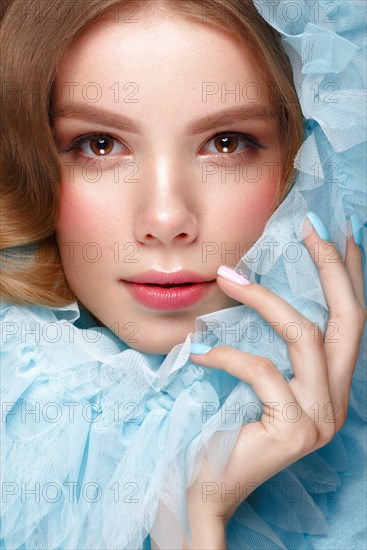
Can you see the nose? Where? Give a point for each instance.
(166, 212)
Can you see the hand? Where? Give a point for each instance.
(323, 374)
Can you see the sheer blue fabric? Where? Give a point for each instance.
(96, 436)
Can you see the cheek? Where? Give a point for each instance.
(250, 208)
(80, 216)
(83, 237)
(261, 201)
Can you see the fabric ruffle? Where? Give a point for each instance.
(94, 431)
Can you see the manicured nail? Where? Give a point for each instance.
(318, 226)
(198, 348)
(232, 275)
(357, 229)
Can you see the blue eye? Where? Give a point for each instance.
(230, 141)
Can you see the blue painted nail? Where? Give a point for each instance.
(357, 229)
(199, 348)
(318, 226)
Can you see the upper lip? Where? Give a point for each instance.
(163, 278)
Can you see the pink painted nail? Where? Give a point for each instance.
(232, 275)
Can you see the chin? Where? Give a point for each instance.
(155, 348)
(159, 336)
(161, 342)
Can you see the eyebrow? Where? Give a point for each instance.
(211, 121)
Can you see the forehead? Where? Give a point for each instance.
(162, 53)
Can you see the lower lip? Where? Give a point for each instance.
(162, 298)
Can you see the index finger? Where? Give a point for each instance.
(303, 337)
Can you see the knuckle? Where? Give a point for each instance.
(342, 417)
(356, 315)
(301, 440)
(306, 438)
(339, 426)
(326, 434)
(265, 367)
(361, 315)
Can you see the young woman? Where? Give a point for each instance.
(147, 146)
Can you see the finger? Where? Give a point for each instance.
(343, 287)
(353, 265)
(277, 311)
(303, 338)
(282, 412)
(261, 373)
(335, 280)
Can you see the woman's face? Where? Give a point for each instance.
(177, 170)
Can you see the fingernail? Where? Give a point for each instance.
(318, 226)
(357, 229)
(232, 275)
(198, 348)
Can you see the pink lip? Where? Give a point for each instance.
(193, 288)
(163, 278)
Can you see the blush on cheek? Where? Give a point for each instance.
(251, 213)
(263, 203)
(77, 214)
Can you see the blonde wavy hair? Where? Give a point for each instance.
(34, 37)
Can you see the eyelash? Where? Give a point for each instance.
(253, 144)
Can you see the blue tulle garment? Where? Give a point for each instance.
(96, 436)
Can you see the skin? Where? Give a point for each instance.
(170, 199)
(168, 218)
(323, 371)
